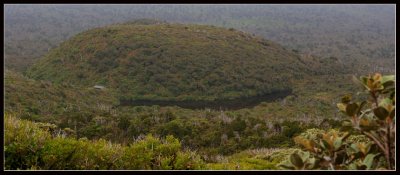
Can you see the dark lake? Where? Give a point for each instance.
(229, 104)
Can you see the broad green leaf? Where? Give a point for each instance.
(369, 160)
(381, 112)
(312, 163)
(337, 144)
(387, 78)
(385, 102)
(354, 147)
(305, 155)
(296, 160)
(388, 84)
(351, 109)
(377, 85)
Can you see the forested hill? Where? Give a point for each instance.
(177, 62)
(351, 33)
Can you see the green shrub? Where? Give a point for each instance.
(28, 146)
(22, 143)
(57, 153)
(333, 149)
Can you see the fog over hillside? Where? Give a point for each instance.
(349, 32)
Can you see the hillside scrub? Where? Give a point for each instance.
(168, 61)
(210, 132)
(95, 114)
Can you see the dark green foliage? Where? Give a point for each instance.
(124, 123)
(291, 129)
(175, 128)
(238, 125)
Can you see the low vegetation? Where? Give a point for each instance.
(96, 115)
(228, 140)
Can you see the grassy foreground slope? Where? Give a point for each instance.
(41, 146)
(30, 145)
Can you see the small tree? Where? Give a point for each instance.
(373, 118)
(377, 122)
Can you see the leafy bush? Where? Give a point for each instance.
(22, 142)
(332, 150)
(28, 146)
